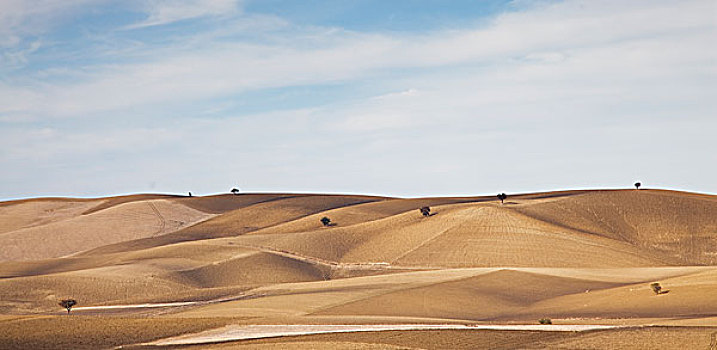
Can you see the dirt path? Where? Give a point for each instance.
(163, 223)
(138, 306)
(175, 304)
(236, 332)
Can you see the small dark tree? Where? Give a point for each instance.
(502, 197)
(68, 304)
(326, 221)
(426, 211)
(657, 288)
(190, 194)
(637, 185)
(234, 191)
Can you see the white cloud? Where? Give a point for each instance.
(550, 85)
(645, 40)
(168, 11)
(53, 145)
(19, 18)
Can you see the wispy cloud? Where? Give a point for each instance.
(163, 12)
(571, 42)
(19, 18)
(569, 79)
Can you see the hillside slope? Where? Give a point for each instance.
(473, 258)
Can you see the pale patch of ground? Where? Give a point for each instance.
(233, 333)
(25, 214)
(76, 232)
(614, 339)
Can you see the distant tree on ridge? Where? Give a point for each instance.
(68, 304)
(502, 197)
(637, 185)
(426, 211)
(234, 191)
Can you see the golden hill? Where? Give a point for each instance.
(571, 255)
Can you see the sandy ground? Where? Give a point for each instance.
(633, 338)
(91, 332)
(233, 333)
(150, 267)
(75, 231)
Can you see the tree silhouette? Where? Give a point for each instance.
(502, 197)
(426, 211)
(234, 191)
(190, 194)
(68, 304)
(326, 221)
(545, 321)
(657, 288)
(637, 185)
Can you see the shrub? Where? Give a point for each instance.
(426, 211)
(545, 321)
(68, 304)
(326, 221)
(657, 288)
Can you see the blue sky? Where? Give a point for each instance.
(405, 98)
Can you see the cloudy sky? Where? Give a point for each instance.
(405, 98)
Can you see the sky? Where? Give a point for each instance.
(400, 98)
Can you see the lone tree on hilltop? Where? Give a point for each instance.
(190, 194)
(326, 221)
(68, 304)
(502, 197)
(637, 185)
(234, 191)
(426, 211)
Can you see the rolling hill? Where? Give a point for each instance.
(570, 255)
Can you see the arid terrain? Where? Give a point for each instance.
(245, 271)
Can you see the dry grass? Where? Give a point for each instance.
(639, 338)
(72, 234)
(87, 332)
(572, 256)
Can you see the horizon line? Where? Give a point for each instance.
(350, 193)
